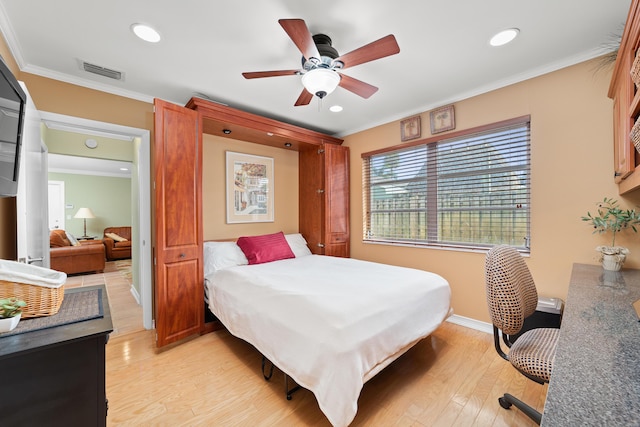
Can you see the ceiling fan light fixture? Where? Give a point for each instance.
(320, 81)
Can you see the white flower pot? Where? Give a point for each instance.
(612, 258)
(9, 323)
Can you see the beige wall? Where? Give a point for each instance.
(64, 98)
(571, 169)
(285, 166)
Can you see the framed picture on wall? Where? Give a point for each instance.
(249, 188)
(443, 119)
(410, 128)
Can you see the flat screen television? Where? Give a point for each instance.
(12, 108)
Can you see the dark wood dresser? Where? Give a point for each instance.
(56, 376)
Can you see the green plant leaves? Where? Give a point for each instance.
(10, 307)
(611, 218)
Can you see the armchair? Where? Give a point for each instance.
(83, 257)
(117, 243)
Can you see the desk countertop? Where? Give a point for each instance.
(596, 373)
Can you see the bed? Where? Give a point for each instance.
(329, 323)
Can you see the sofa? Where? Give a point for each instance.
(72, 256)
(117, 243)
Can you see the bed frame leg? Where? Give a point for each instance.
(264, 374)
(267, 376)
(289, 391)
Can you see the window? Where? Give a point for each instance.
(471, 190)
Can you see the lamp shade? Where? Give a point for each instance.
(320, 81)
(84, 213)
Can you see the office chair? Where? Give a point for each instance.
(511, 297)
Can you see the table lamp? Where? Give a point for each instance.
(84, 213)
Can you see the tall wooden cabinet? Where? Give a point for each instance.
(324, 199)
(626, 105)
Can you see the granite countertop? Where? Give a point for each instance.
(596, 373)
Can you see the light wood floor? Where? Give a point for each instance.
(126, 314)
(452, 378)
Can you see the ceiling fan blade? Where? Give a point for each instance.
(356, 86)
(260, 74)
(381, 48)
(300, 35)
(304, 98)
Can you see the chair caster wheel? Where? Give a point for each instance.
(289, 397)
(503, 402)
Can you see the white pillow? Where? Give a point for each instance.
(298, 244)
(72, 239)
(219, 255)
(116, 237)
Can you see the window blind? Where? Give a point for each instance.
(472, 190)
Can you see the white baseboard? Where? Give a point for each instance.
(135, 294)
(471, 323)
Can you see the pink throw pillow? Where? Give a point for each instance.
(265, 248)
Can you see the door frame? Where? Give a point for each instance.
(143, 153)
(31, 217)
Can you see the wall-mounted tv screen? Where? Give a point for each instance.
(12, 108)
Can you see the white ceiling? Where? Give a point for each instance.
(206, 45)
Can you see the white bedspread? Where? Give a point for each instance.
(329, 322)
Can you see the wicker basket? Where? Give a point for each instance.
(40, 301)
(41, 288)
(635, 134)
(635, 70)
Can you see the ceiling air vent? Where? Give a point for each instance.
(102, 71)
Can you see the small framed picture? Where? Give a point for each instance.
(410, 128)
(443, 119)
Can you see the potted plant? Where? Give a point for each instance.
(10, 313)
(611, 218)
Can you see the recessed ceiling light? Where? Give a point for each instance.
(124, 169)
(504, 37)
(146, 33)
(335, 108)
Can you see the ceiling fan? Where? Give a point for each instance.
(321, 62)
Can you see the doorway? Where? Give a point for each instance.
(141, 196)
(56, 205)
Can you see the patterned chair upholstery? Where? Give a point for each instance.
(512, 297)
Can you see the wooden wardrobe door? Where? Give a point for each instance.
(324, 199)
(179, 292)
(336, 193)
(311, 197)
